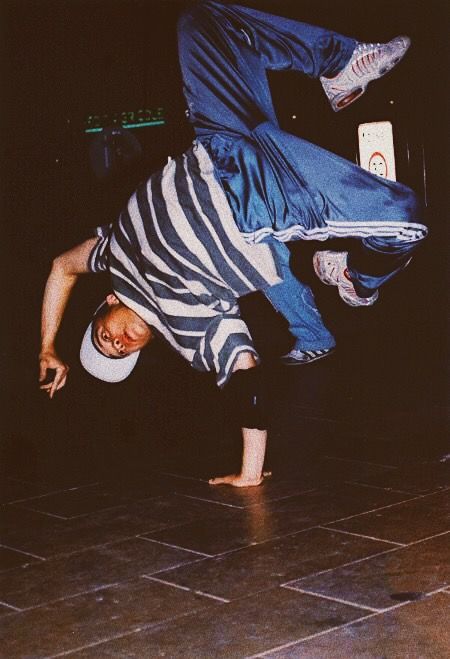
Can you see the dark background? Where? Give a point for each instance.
(386, 385)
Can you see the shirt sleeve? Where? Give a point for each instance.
(99, 257)
(225, 339)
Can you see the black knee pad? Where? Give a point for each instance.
(246, 399)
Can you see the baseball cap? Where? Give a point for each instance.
(108, 369)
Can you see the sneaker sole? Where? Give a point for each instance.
(368, 302)
(294, 362)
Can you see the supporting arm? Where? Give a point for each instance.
(254, 441)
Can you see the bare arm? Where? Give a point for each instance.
(254, 443)
(63, 276)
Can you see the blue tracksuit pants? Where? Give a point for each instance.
(281, 187)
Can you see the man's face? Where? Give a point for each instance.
(120, 331)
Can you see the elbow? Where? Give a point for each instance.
(61, 268)
(58, 265)
(244, 361)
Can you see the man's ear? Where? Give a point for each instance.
(111, 300)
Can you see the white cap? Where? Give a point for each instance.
(108, 369)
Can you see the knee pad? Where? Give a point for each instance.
(246, 399)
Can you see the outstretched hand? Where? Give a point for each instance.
(237, 480)
(49, 361)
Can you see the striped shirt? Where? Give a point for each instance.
(177, 259)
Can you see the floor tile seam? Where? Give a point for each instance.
(430, 537)
(273, 539)
(21, 551)
(41, 512)
(309, 528)
(328, 631)
(379, 487)
(51, 493)
(68, 554)
(342, 565)
(291, 644)
(190, 590)
(86, 514)
(361, 535)
(313, 593)
(388, 506)
(361, 560)
(15, 609)
(312, 575)
(250, 505)
(174, 567)
(132, 632)
(124, 504)
(273, 587)
(134, 536)
(226, 553)
(234, 550)
(428, 493)
(364, 462)
(116, 541)
(168, 544)
(218, 503)
(384, 609)
(257, 544)
(176, 525)
(96, 589)
(74, 595)
(441, 589)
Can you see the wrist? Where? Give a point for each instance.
(47, 348)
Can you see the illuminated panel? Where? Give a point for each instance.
(376, 149)
(132, 119)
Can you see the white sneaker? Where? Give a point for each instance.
(331, 268)
(368, 62)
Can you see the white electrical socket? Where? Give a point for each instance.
(376, 149)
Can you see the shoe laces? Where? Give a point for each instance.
(295, 353)
(366, 57)
(363, 48)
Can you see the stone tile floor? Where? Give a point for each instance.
(331, 558)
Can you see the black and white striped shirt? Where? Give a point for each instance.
(177, 259)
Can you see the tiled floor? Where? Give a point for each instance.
(334, 562)
(114, 545)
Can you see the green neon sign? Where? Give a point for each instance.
(132, 119)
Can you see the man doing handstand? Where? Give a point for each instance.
(211, 226)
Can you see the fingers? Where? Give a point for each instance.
(223, 480)
(58, 381)
(236, 481)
